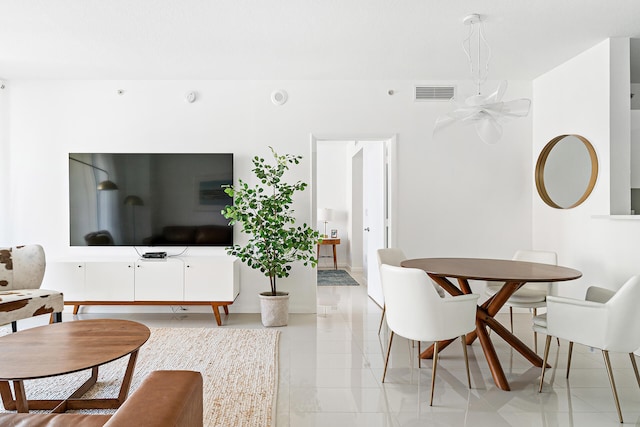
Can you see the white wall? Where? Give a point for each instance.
(587, 96)
(456, 196)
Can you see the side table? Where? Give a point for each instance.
(333, 242)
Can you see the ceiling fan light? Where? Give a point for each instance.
(486, 111)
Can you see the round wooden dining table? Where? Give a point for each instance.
(514, 275)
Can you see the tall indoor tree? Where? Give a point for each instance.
(265, 213)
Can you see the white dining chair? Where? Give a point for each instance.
(416, 311)
(394, 256)
(605, 319)
(532, 295)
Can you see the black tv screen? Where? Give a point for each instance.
(157, 199)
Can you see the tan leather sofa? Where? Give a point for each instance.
(165, 398)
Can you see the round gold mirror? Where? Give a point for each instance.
(566, 171)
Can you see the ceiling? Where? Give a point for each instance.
(297, 39)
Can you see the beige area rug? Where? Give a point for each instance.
(239, 368)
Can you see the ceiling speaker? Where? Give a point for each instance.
(279, 97)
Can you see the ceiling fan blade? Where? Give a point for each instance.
(459, 115)
(475, 100)
(498, 94)
(517, 107)
(489, 130)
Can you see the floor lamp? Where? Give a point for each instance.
(103, 185)
(133, 201)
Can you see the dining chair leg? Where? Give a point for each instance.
(511, 317)
(466, 357)
(569, 358)
(547, 344)
(605, 354)
(419, 358)
(384, 309)
(635, 367)
(535, 334)
(433, 373)
(386, 360)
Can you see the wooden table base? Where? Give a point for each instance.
(484, 321)
(22, 404)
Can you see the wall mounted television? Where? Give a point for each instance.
(153, 199)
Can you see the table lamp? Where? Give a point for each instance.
(325, 215)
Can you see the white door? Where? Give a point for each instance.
(374, 214)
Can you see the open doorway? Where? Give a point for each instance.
(354, 179)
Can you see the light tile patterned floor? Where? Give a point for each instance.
(331, 364)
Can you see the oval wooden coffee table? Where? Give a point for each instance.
(63, 348)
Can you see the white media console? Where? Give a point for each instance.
(190, 280)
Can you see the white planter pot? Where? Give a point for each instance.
(274, 309)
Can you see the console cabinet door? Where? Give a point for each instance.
(66, 277)
(159, 280)
(109, 281)
(210, 279)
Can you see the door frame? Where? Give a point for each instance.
(390, 141)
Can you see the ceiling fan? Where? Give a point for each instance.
(486, 112)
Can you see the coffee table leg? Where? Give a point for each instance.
(63, 406)
(76, 402)
(21, 398)
(20, 403)
(87, 384)
(7, 396)
(128, 376)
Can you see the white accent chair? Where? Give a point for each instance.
(394, 256)
(532, 295)
(21, 272)
(606, 320)
(416, 311)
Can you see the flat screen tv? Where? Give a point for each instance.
(155, 199)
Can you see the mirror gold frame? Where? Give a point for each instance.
(542, 160)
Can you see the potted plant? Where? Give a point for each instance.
(275, 242)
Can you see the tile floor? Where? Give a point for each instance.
(331, 364)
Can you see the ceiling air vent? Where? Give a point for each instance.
(435, 93)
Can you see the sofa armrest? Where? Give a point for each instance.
(165, 398)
